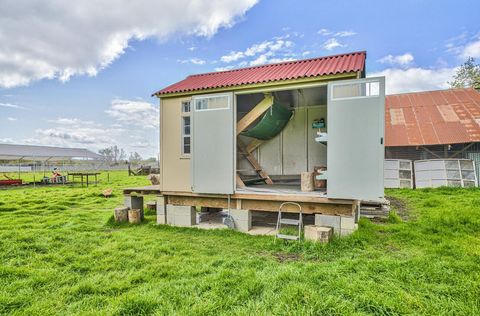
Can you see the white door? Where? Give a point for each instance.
(355, 126)
(213, 144)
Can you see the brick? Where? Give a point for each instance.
(318, 233)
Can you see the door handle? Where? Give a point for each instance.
(381, 140)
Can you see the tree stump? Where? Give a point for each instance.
(121, 214)
(307, 181)
(135, 216)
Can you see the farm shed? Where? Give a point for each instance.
(442, 124)
(241, 139)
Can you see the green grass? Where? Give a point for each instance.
(61, 253)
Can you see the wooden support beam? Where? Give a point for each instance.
(254, 162)
(255, 113)
(239, 181)
(431, 152)
(254, 144)
(462, 150)
(262, 205)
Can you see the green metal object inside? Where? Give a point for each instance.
(271, 124)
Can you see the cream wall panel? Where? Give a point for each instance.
(175, 168)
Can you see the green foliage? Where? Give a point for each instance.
(467, 76)
(61, 253)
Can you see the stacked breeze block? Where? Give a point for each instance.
(434, 173)
(398, 173)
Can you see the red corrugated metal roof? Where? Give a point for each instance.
(432, 118)
(314, 67)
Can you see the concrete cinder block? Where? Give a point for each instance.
(346, 232)
(161, 210)
(318, 233)
(328, 221)
(347, 222)
(160, 200)
(179, 215)
(242, 219)
(134, 202)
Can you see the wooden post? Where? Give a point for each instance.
(134, 216)
(307, 181)
(121, 214)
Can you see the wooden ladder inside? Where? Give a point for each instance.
(247, 151)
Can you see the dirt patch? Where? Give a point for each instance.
(400, 207)
(286, 257)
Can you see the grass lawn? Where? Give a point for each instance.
(60, 253)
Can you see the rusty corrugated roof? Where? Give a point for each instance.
(314, 67)
(432, 118)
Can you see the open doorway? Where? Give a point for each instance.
(281, 140)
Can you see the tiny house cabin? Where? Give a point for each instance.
(241, 139)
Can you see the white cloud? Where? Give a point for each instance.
(415, 79)
(232, 56)
(12, 106)
(324, 32)
(224, 68)
(306, 53)
(195, 61)
(401, 60)
(471, 50)
(11, 119)
(70, 121)
(266, 48)
(75, 135)
(59, 39)
(332, 43)
(345, 33)
(6, 140)
(134, 112)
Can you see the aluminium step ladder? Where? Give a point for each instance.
(291, 222)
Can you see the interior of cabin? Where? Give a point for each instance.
(279, 136)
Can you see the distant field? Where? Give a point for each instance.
(60, 253)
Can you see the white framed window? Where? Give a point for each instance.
(186, 128)
(355, 90)
(219, 102)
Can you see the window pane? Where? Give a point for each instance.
(186, 144)
(186, 125)
(212, 103)
(355, 90)
(186, 106)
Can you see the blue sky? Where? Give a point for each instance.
(85, 77)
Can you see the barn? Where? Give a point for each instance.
(442, 124)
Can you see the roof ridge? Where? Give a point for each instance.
(276, 64)
(429, 91)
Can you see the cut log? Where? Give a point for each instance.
(307, 184)
(154, 179)
(134, 216)
(121, 214)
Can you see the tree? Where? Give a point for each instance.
(135, 158)
(467, 76)
(113, 154)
